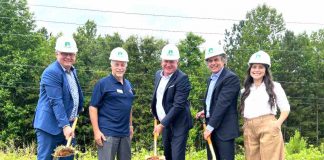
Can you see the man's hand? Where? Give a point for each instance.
(99, 138)
(67, 130)
(158, 129)
(207, 134)
(200, 114)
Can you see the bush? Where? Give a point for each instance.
(311, 153)
(296, 144)
(296, 149)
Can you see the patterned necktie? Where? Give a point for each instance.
(74, 93)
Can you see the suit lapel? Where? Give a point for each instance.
(173, 77)
(220, 79)
(218, 82)
(157, 81)
(65, 80)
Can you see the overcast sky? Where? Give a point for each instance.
(118, 16)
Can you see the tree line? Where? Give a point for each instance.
(297, 62)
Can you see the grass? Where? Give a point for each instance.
(297, 148)
(311, 153)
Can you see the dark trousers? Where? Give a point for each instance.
(46, 143)
(174, 146)
(224, 150)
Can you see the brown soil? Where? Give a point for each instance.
(63, 152)
(153, 158)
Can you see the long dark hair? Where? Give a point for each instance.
(267, 79)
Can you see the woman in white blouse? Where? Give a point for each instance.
(259, 102)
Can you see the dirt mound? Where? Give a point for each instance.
(63, 151)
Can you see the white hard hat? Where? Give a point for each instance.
(118, 54)
(170, 52)
(66, 44)
(260, 57)
(212, 51)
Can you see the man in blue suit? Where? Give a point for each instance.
(60, 100)
(170, 104)
(220, 109)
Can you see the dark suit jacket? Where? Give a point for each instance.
(55, 102)
(175, 102)
(223, 107)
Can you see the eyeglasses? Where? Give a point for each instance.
(65, 54)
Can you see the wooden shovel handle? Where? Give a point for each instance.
(155, 138)
(211, 148)
(208, 139)
(73, 128)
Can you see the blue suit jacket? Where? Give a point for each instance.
(175, 102)
(55, 102)
(223, 106)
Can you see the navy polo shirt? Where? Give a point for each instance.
(114, 103)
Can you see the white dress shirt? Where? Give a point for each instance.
(159, 96)
(213, 79)
(256, 104)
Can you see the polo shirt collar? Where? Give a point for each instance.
(114, 79)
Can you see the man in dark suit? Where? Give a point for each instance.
(220, 107)
(170, 104)
(60, 100)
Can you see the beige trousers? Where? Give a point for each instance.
(262, 140)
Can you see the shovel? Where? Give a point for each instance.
(211, 148)
(63, 152)
(155, 156)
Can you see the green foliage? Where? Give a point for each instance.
(28, 152)
(192, 63)
(297, 62)
(297, 149)
(21, 51)
(296, 143)
(311, 153)
(262, 29)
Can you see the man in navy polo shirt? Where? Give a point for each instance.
(111, 110)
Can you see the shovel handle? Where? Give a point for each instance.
(73, 128)
(155, 138)
(211, 148)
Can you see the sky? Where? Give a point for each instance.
(169, 19)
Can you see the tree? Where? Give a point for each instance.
(193, 64)
(22, 53)
(317, 42)
(144, 61)
(262, 30)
